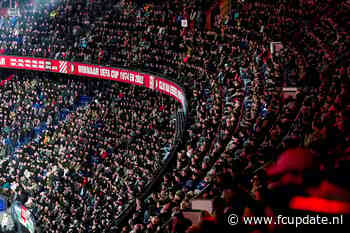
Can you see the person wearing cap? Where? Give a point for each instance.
(290, 167)
(298, 186)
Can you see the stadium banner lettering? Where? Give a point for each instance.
(96, 71)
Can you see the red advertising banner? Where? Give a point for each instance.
(96, 71)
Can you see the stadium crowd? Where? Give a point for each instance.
(105, 149)
(240, 119)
